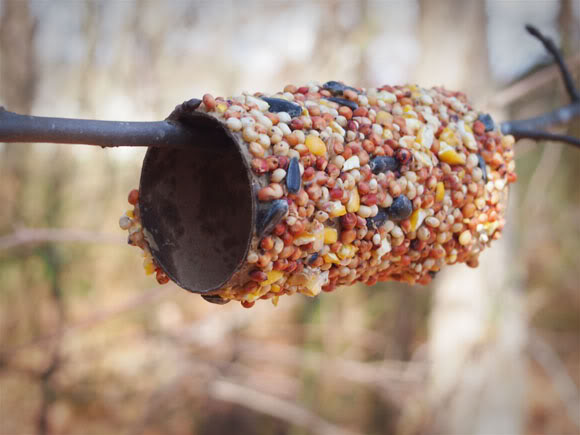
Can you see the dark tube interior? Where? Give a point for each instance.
(197, 207)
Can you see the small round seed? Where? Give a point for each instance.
(465, 238)
(432, 222)
(278, 175)
(234, 124)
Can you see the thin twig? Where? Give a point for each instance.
(227, 391)
(561, 115)
(531, 128)
(553, 50)
(33, 236)
(536, 80)
(544, 135)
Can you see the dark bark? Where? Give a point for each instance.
(24, 128)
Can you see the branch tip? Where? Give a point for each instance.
(551, 48)
(531, 128)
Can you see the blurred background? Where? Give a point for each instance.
(90, 345)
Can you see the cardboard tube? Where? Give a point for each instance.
(321, 186)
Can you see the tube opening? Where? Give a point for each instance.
(197, 206)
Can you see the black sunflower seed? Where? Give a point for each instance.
(280, 105)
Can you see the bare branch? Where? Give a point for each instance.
(30, 236)
(24, 128)
(531, 128)
(536, 80)
(553, 50)
(227, 391)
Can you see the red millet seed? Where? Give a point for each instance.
(209, 101)
(288, 239)
(272, 162)
(161, 277)
(336, 193)
(133, 197)
(363, 187)
(279, 229)
(348, 221)
(308, 173)
(370, 199)
(267, 243)
(258, 276)
(247, 304)
(321, 163)
(283, 162)
(259, 166)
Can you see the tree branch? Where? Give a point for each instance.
(531, 128)
(24, 128)
(553, 50)
(32, 236)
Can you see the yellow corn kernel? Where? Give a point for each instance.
(417, 218)
(273, 276)
(315, 145)
(490, 227)
(221, 107)
(425, 136)
(130, 214)
(275, 300)
(331, 258)
(312, 287)
(149, 268)
(440, 192)
(337, 128)
(353, 203)
(275, 288)
(346, 251)
(250, 297)
(448, 155)
(409, 113)
(451, 157)
(330, 235)
(338, 211)
(449, 136)
(412, 124)
(304, 238)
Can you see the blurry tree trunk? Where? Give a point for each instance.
(457, 62)
(17, 86)
(477, 326)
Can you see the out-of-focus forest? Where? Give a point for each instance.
(91, 345)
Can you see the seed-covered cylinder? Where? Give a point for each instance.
(332, 185)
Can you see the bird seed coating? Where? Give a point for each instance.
(360, 185)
